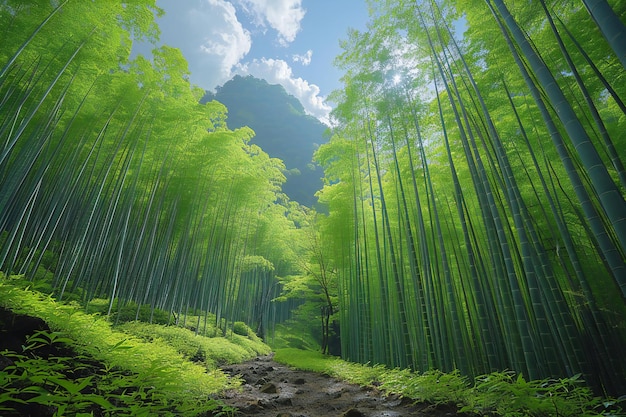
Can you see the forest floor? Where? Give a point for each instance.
(268, 387)
(271, 389)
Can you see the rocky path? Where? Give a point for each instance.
(275, 390)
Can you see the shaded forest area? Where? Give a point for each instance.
(474, 214)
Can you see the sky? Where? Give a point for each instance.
(287, 42)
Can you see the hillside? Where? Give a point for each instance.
(282, 129)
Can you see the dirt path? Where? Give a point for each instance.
(275, 390)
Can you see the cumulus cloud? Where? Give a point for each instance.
(214, 42)
(277, 71)
(304, 59)
(282, 15)
(209, 36)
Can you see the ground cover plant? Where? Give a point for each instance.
(128, 373)
(211, 351)
(497, 394)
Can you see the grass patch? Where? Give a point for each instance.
(307, 360)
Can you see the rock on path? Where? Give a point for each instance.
(271, 389)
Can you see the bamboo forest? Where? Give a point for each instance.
(472, 217)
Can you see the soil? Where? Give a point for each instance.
(271, 389)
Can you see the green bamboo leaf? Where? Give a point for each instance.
(48, 399)
(71, 387)
(27, 41)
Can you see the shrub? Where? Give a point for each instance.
(210, 351)
(240, 328)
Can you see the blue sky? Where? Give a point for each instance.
(287, 42)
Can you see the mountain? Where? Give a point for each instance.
(282, 128)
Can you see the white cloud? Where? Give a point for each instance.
(277, 71)
(214, 43)
(282, 15)
(303, 59)
(209, 36)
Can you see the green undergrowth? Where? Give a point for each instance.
(169, 370)
(210, 351)
(497, 394)
(294, 333)
(199, 322)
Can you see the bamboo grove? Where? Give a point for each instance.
(474, 213)
(475, 187)
(114, 179)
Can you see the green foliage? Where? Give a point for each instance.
(97, 306)
(158, 370)
(128, 311)
(240, 328)
(430, 386)
(76, 384)
(207, 327)
(499, 393)
(509, 394)
(210, 351)
(475, 191)
(29, 380)
(457, 235)
(286, 336)
(308, 360)
(119, 184)
(313, 292)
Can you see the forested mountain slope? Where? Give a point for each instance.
(282, 128)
